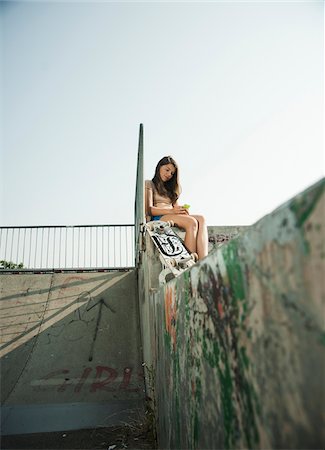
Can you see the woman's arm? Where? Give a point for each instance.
(148, 199)
(163, 211)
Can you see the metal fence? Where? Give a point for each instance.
(68, 247)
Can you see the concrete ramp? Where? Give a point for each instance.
(237, 342)
(70, 351)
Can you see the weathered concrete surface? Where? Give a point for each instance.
(218, 235)
(236, 345)
(70, 351)
(148, 284)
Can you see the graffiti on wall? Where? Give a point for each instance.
(100, 378)
(221, 237)
(243, 336)
(170, 315)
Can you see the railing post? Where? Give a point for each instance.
(139, 218)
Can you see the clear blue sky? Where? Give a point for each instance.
(234, 91)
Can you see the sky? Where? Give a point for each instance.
(234, 91)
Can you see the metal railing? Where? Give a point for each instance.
(139, 210)
(86, 247)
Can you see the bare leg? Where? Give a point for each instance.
(190, 224)
(202, 237)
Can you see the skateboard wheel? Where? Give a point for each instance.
(160, 228)
(150, 226)
(170, 223)
(173, 262)
(183, 264)
(195, 256)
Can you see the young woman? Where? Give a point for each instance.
(162, 193)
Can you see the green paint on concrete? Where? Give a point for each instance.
(196, 427)
(187, 306)
(249, 333)
(176, 368)
(307, 247)
(234, 270)
(177, 425)
(303, 205)
(249, 401)
(168, 340)
(186, 278)
(221, 357)
(197, 410)
(250, 428)
(198, 390)
(322, 338)
(216, 351)
(227, 403)
(212, 357)
(244, 357)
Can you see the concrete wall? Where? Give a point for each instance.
(70, 351)
(236, 345)
(148, 284)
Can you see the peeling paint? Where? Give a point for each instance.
(240, 354)
(170, 315)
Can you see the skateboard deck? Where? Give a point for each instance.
(172, 251)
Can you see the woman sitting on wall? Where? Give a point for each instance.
(162, 193)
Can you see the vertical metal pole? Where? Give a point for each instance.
(96, 246)
(139, 213)
(41, 264)
(78, 246)
(108, 259)
(5, 254)
(12, 244)
(48, 244)
(90, 245)
(133, 246)
(18, 242)
(60, 240)
(114, 246)
(30, 246)
(54, 232)
(72, 250)
(66, 247)
(24, 246)
(102, 246)
(85, 238)
(120, 232)
(126, 246)
(35, 248)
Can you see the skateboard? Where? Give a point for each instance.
(172, 251)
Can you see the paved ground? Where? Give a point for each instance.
(115, 438)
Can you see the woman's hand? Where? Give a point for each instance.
(177, 209)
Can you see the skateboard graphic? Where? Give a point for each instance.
(172, 251)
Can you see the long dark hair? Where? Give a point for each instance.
(170, 188)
